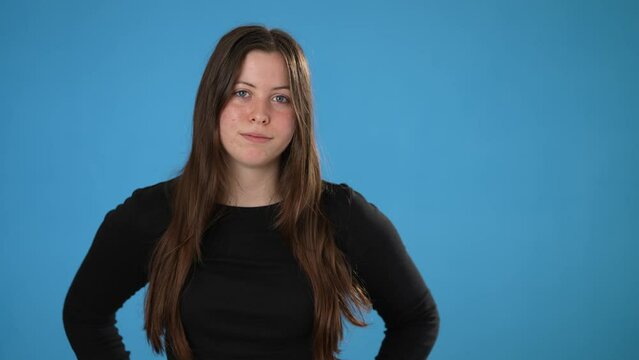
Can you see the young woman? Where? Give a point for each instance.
(248, 253)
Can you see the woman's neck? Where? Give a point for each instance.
(250, 187)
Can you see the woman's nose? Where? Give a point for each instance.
(260, 113)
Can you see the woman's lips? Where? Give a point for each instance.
(256, 138)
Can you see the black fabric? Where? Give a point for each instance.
(249, 299)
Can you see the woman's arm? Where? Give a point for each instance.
(398, 291)
(113, 270)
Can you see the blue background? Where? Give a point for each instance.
(500, 137)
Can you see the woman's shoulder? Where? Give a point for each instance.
(146, 209)
(158, 193)
(342, 195)
(152, 196)
(349, 207)
(341, 202)
(336, 195)
(331, 188)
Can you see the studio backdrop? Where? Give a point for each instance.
(500, 137)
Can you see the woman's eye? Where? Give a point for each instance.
(241, 93)
(281, 98)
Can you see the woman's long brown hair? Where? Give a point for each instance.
(203, 183)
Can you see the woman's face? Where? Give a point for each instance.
(258, 122)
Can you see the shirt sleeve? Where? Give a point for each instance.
(112, 271)
(397, 290)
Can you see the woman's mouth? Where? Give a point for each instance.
(256, 138)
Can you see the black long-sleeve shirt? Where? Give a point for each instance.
(249, 299)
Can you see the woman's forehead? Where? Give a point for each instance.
(264, 70)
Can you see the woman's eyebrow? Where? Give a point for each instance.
(275, 88)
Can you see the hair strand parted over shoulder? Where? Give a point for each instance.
(203, 183)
